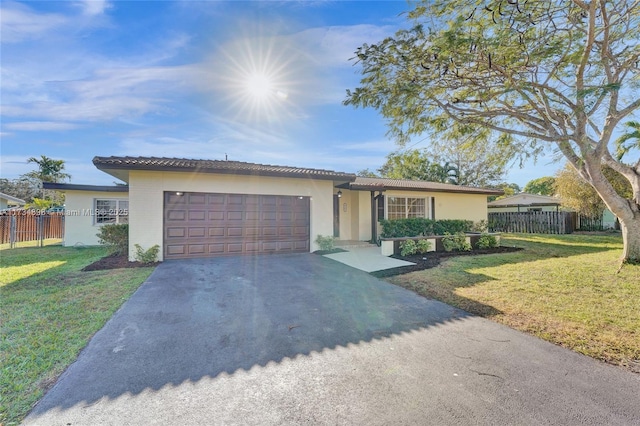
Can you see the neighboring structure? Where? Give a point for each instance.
(7, 201)
(524, 202)
(195, 208)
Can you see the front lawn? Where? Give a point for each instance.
(49, 310)
(562, 288)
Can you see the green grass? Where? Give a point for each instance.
(562, 288)
(49, 310)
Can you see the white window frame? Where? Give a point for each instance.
(428, 214)
(119, 212)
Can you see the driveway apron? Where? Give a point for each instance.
(291, 339)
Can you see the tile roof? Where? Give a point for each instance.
(215, 166)
(525, 199)
(381, 184)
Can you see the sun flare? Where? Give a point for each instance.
(261, 79)
(259, 86)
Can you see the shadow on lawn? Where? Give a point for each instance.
(199, 318)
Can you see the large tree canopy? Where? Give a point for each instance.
(548, 74)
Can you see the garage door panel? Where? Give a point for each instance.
(235, 199)
(197, 248)
(211, 224)
(176, 232)
(197, 199)
(196, 232)
(269, 231)
(178, 215)
(176, 249)
(213, 215)
(301, 231)
(234, 215)
(216, 248)
(234, 248)
(216, 232)
(253, 215)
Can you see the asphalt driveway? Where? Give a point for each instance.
(294, 339)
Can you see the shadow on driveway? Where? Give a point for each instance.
(202, 317)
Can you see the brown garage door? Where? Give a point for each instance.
(205, 224)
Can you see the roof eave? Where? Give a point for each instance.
(112, 168)
(92, 188)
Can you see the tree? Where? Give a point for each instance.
(541, 186)
(416, 165)
(542, 74)
(49, 170)
(633, 135)
(579, 195)
(367, 173)
(25, 189)
(509, 189)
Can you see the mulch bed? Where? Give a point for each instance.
(433, 259)
(116, 262)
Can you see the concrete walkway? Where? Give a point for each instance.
(367, 259)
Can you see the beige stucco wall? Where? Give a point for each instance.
(146, 197)
(3, 203)
(79, 227)
(460, 206)
(348, 214)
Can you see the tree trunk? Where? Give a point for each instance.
(631, 239)
(627, 211)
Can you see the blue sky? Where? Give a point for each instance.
(255, 81)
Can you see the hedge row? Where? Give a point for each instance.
(416, 227)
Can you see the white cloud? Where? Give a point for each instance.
(40, 126)
(109, 94)
(18, 22)
(334, 46)
(94, 7)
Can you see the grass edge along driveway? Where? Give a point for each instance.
(49, 309)
(561, 288)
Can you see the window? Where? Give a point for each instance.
(405, 207)
(111, 211)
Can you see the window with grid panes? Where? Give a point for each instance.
(111, 211)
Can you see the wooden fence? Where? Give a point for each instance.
(30, 225)
(589, 223)
(533, 222)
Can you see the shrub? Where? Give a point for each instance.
(456, 242)
(481, 226)
(487, 241)
(423, 246)
(452, 226)
(147, 256)
(116, 237)
(325, 243)
(408, 247)
(415, 227)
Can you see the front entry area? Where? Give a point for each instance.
(200, 224)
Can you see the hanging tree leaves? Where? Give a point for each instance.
(545, 74)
